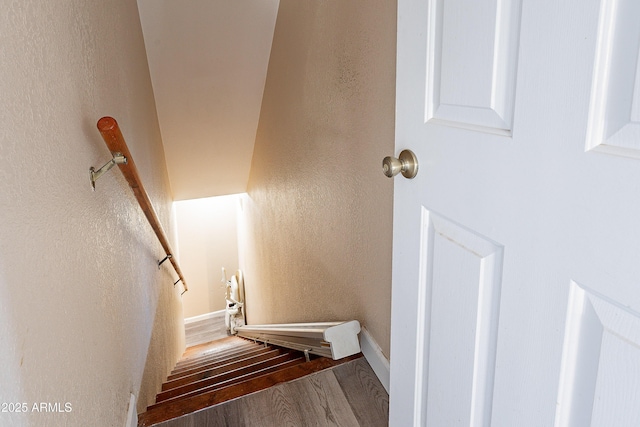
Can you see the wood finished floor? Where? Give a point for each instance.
(346, 395)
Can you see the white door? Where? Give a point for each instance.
(516, 284)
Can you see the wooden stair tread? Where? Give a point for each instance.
(228, 352)
(228, 376)
(247, 376)
(212, 347)
(213, 363)
(218, 369)
(220, 343)
(249, 383)
(215, 354)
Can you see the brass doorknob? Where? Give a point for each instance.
(406, 163)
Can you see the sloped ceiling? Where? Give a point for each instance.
(208, 63)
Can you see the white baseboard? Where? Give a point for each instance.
(132, 414)
(375, 357)
(206, 316)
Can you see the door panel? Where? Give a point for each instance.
(460, 319)
(600, 375)
(614, 122)
(471, 80)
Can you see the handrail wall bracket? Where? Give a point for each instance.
(163, 260)
(118, 159)
(116, 144)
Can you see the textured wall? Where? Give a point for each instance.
(208, 241)
(79, 285)
(316, 244)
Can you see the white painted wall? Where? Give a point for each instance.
(207, 241)
(80, 292)
(317, 227)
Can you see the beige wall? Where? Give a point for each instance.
(207, 241)
(316, 244)
(79, 287)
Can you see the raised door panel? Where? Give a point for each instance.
(614, 115)
(471, 77)
(600, 374)
(460, 299)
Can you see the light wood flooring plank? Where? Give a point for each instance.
(269, 408)
(185, 421)
(322, 401)
(364, 392)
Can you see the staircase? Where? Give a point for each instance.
(213, 377)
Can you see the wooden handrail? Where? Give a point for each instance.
(112, 136)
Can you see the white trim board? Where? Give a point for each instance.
(377, 360)
(206, 316)
(132, 415)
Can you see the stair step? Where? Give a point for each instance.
(221, 343)
(217, 345)
(212, 371)
(216, 361)
(229, 378)
(249, 383)
(218, 354)
(233, 380)
(212, 361)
